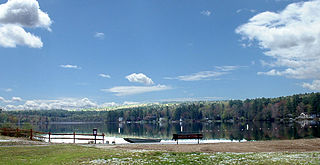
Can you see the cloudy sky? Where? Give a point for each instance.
(93, 53)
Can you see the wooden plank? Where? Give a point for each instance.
(76, 134)
(61, 138)
(73, 138)
(41, 132)
(87, 139)
(85, 134)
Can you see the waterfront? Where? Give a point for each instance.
(251, 131)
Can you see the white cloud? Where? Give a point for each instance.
(104, 75)
(130, 103)
(12, 35)
(139, 78)
(228, 67)
(314, 86)
(248, 10)
(68, 66)
(192, 99)
(205, 12)
(7, 89)
(66, 104)
(291, 37)
(204, 75)
(272, 72)
(108, 104)
(132, 90)
(13, 99)
(2, 99)
(16, 99)
(16, 14)
(25, 13)
(99, 35)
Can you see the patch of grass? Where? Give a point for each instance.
(75, 154)
(53, 154)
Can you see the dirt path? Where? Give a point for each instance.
(301, 145)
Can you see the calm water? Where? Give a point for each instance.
(226, 131)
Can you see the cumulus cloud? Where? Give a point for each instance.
(315, 85)
(2, 99)
(13, 99)
(108, 104)
(66, 104)
(16, 14)
(205, 12)
(25, 13)
(291, 37)
(16, 99)
(192, 99)
(139, 78)
(104, 75)
(68, 66)
(99, 35)
(13, 35)
(132, 90)
(130, 103)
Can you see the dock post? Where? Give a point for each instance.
(49, 137)
(30, 134)
(102, 138)
(17, 134)
(95, 132)
(74, 137)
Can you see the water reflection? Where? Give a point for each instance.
(228, 131)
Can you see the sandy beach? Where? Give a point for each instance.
(301, 145)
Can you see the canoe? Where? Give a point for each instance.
(138, 140)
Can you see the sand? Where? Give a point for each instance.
(301, 145)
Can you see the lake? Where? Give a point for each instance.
(237, 131)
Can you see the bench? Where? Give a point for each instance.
(187, 136)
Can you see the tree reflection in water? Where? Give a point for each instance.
(230, 131)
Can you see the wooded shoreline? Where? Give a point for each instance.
(296, 107)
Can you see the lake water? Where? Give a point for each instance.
(213, 132)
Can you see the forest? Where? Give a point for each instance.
(258, 109)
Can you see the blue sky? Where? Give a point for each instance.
(96, 53)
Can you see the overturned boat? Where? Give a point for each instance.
(139, 140)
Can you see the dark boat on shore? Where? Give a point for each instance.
(138, 140)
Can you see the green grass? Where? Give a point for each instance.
(75, 154)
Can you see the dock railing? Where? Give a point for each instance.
(30, 133)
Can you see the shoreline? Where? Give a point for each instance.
(300, 145)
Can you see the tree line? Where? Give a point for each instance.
(259, 109)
